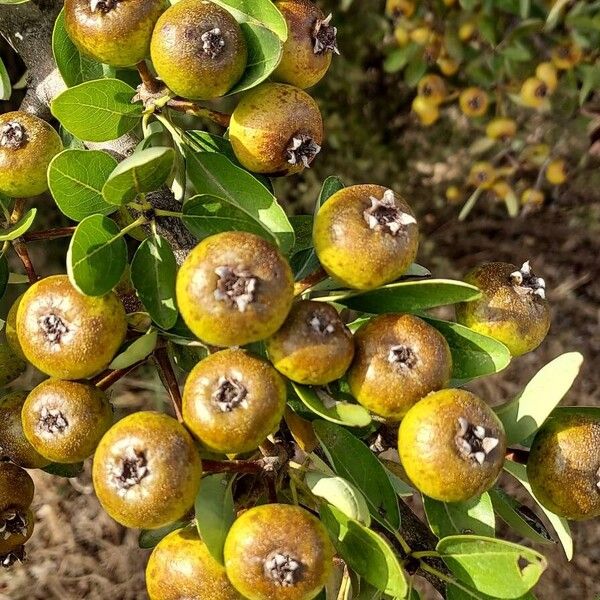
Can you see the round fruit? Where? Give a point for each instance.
(433, 88)
(198, 49)
(366, 236)
(447, 65)
(566, 56)
(276, 129)
(27, 145)
(399, 8)
(399, 360)
(467, 30)
(534, 93)
(502, 189)
(482, 175)
(402, 36)
(501, 128)
(114, 32)
(473, 102)
(11, 365)
(17, 528)
(181, 566)
(310, 45)
(453, 194)
(556, 172)
(147, 471)
(232, 401)
(16, 487)
(66, 334)
(564, 466)
(13, 443)
(64, 420)
(532, 197)
(10, 330)
(426, 110)
(512, 309)
(313, 347)
(546, 72)
(452, 445)
(234, 288)
(278, 552)
(421, 35)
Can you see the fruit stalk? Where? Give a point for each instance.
(150, 82)
(194, 109)
(304, 284)
(19, 245)
(108, 378)
(48, 234)
(167, 376)
(232, 466)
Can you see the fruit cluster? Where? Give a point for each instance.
(502, 67)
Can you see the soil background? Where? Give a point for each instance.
(78, 552)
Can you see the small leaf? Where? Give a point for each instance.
(469, 204)
(5, 86)
(136, 351)
(215, 512)
(97, 256)
(525, 414)
(64, 470)
(460, 518)
(149, 538)
(257, 12)
(18, 229)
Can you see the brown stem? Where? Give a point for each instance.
(517, 455)
(167, 376)
(191, 108)
(48, 234)
(18, 244)
(107, 378)
(232, 466)
(150, 82)
(304, 284)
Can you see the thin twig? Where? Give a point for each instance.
(18, 244)
(232, 466)
(150, 82)
(309, 281)
(191, 108)
(167, 376)
(107, 378)
(48, 234)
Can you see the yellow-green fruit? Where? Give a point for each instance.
(532, 197)
(534, 93)
(276, 129)
(13, 443)
(27, 145)
(115, 32)
(467, 30)
(311, 42)
(433, 88)
(313, 346)
(65, 420)
(366, 236)
(426, 110)
(10, 330)
(556, 172)
(181, 566)
(566, 56)
(512, 309)
(234, 288)
(482, 175)
(564, 466)
(546, 71)
(232, 401)
(452, 445)
(11, 365)
(447, 65)
(421, 35)
(17, 527)
(66, 334)
(16, 520)
(147, 471)
(399, 360)
(198, 49)
(278, 552)
(16, 487)
(399, 8)
(473, 102)
(501, 128)
(453, 194)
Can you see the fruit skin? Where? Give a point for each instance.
(426, 110)
(546, 72)
(219, 321)
(534, 93)
(24, 159)
(390, 389)
(184, 59)
(433, 88)
(473, 102)
(181, 566)
(95, 328)
(11, 365)
(116, 33)
(83, 412)
(447, 65)
(501, 128)
(482, 174)
(563, 465)
(14, 540)
(160, 471)
(352, 252)
(427, 443)
(519, 321)
(253, 416)
(556, 172)
(304, 351)
(400, 8)
(300, 64)
(13, 443)
(265, 125)
(453, 194)
(566, 56)
(263, 531)
(10, 330)
(16, 487)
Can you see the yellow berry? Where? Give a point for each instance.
(566, 56)
(501, 128)
(426, 110)
(400, 8)
(447, 65)
(501, 189)
(534, 92)
(402, 36)
(466, 31)
(421, 35)
(531, 196)
(556, 172)
(546, 72)
(453, 194)
(473, 102)
(433, 88)
(482, 175)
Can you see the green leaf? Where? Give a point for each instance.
(465, 593)
(498, 568)
(525, 414)
(144, 171)
(64, 470)
(365, 552)
(215, 175)
(98, 111)
(415, 69)
(76, 178)
(5, 86)
(407, 296)
(153, 273)
(215, 512)
(136, 351)
(19, 228)
(4, 275)
(399, 57)
(473, 354)
(363, 470)
(331, 409)
(257, 12)
(97, 256)
(149, 538)
(303, 226)
(460, 518)
(72, 65)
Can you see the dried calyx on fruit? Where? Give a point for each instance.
(473, 441)
(525, 281)
(385, 215)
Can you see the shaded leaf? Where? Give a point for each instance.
(136, 351)
(20, 227)
(475, 516)
(149, 538)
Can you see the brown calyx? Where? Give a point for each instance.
(473, 441)
(131, 469)
(12, 522)
(403, 356)
(321, 324)
(302, 149)
(53, 421)
(12, 135)
(230, 394)
(324, 37)
(104, 6)
(54, 328)
(283, 569)
(213, 42)
(384, 215)
(236, 286)
(525, 282)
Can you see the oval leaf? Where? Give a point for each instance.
(136, 351)
(18, 229)
(149, 538)
(257, 12)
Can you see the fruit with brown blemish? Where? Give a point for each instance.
(566, 56)
(546, 72)
(276, 129)
(198, 49)
(564, 465)
(17, 527)
(13, 443)
(365, 236)
(11, 365)
(310, 45)
(447, 65)
(512, 309)
(399, 360)
(10, 329)
(234, 288)
(147, 471)
(65, 420)
(501, 128)
(534, 93)
(427, 111)
(557, 172)
(399, 8)
(452, 445)
(232, 401)
(473, 102)
(482, 175)
(66, 334)
(313, 346)
(113, 32)
(27, 145)
(433, 88)
(532, 197)
(181, 566)
(16, 487)
(278, 552)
